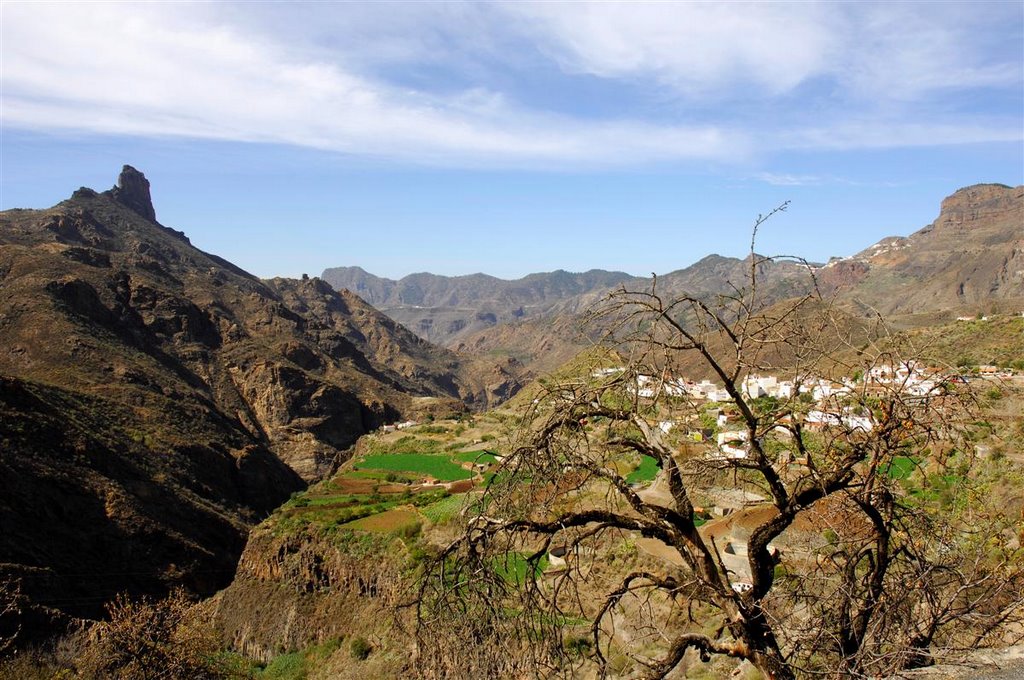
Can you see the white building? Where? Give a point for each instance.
(845, 419)
(733, 444)
(755, 386)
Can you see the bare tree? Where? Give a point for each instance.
(150, 640)
(870, 576)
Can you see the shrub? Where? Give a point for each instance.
(578, 646)
(410, 531)
(142, 636)
(360, 648)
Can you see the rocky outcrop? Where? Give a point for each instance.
(969, 260)
(981, 212)
(132, 190)
(312, 423)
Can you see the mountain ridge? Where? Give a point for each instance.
(970, 256)
(158, 401)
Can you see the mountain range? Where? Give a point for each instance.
(969, 260)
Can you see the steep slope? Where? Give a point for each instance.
(969, 260)
(392, 348)
(156, 401)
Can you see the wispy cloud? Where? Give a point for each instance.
(148, 72)
(323, 76)
(787, 180)
(871, 51)
(699, 48)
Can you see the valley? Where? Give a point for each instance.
(660, 340)
(302, 464)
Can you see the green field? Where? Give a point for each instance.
(438, 467)
(386, 522)
(901, 467)
(485, 457)
(444, 509)
(645, 472)
(512, 567)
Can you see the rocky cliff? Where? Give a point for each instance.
(302, 588)
(969, 260)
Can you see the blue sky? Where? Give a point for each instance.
(514, 137)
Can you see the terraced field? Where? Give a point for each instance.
(424, 474)
(400, 480)
(438, 466)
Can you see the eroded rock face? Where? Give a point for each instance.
(311, 423)
(299, 589)
(969, 260)
(981, 208)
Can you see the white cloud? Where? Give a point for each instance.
(903, 52)
(789, 180)
(750, 49)
(696, 47)
(148, 72)
(848, 134)
(317, 76)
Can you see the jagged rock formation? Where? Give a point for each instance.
(157, 401)
(132, 189)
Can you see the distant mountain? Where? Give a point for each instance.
(537, 320)
(156, 401)
(448, 309)
(969, 260)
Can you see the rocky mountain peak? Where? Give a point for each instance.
(132, 190)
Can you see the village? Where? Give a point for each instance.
(826, 403)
